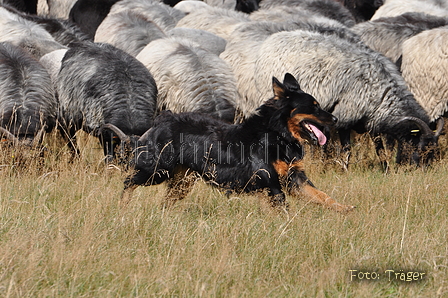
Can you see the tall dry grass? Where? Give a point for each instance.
(63, 233)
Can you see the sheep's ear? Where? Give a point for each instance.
(291, 83)
(278, 88)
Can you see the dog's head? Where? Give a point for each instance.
(298, 113)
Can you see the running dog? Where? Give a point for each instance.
(264, 152)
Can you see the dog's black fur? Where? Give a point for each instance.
(258, 154)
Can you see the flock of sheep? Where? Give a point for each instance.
(76, 66)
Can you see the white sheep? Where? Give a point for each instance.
(205, 39)
(386, 35)
(165, 16)
(26, 34)
(425, 69)
(392, 8)
(59, 9)
(190, 78)
(52, 62)
(219, 21)
(188, 6)
(283, 13)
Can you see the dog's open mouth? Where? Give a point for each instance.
(315, 133)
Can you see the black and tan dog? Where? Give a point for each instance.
(262, 153)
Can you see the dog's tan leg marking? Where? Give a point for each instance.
(179, 186)
(281, 168)
(319, 197)
(126, 195)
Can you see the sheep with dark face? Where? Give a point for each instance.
(27, 98)
(362, 10)
(99, 84)
(361, 87)
(28, 6)
(386, 35)
(246, 6)
(88, 14)
(190, 79)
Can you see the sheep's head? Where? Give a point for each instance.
(419, 143)
(23, 139)
(130, 145)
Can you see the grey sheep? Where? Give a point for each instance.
(244, 44)
(28, 104)
(190, 78)
(359, 86)
(128, 30)
(326, 8)
(99, 84)
(283, 13)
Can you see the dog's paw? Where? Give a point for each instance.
(342, 208)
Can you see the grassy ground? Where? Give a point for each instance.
(63, 234)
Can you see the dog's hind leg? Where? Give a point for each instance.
(269, 179)
(179, 185)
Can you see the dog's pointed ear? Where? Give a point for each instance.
(278, 88)
(291, 83)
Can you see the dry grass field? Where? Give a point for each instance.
(63, 233)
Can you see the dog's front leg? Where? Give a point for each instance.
(298, 184)
(319, 197)
(269, 179)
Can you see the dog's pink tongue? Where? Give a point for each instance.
(320, 136)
